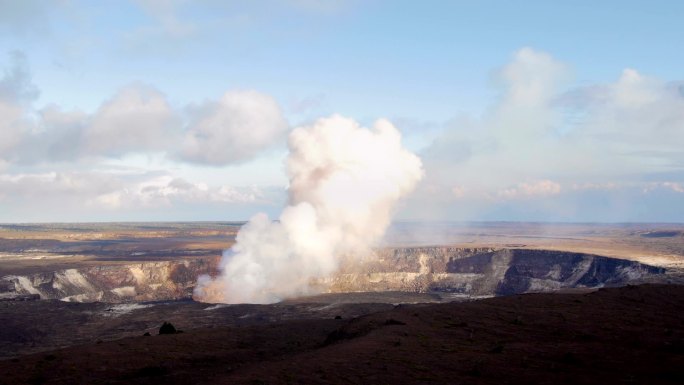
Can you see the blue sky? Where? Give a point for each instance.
(528, 110)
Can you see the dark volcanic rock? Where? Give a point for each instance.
(167, 328)
(21, 297)
(631, 334)
(662, 234)
(482, 272)
(540, 270)
(35, 326)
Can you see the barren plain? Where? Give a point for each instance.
(76, 299)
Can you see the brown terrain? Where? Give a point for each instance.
(660, 244)
(633, 334)
(28, 248)
(603, 304)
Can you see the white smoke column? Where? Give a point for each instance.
(344, 183)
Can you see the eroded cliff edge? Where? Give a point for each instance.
(122, 282)
(489, 271)
(454, 272)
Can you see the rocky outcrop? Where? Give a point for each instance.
(143, 281)
(450, 271)
(486, 271)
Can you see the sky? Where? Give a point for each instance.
(157, 110)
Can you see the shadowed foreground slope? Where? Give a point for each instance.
(632, 334)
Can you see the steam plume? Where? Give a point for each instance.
(344, 183)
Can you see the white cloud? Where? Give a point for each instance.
(637, 117)
(458, 191)
(588, 186)
(676, 187)
(233, 129)
(167, 190)
(671, 186)
(590, 141)
(599, 135)
(106, 190)
(531, 78)
(540, 188)
(51, 186)
(138, 118)
(16, 91)
(12, 128)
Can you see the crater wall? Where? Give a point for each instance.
(487, 271)
(452, 272)
(125, 282)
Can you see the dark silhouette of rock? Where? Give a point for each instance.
(167, 328)
(147, 334)
(392, 321)
(21, 297)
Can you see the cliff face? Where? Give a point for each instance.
(144, 281)
(453, 272)
(486, 271)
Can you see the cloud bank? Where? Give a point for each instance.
(139, 119)
(545, 150)
(546, 142)
(126, 194)
(64, 162)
